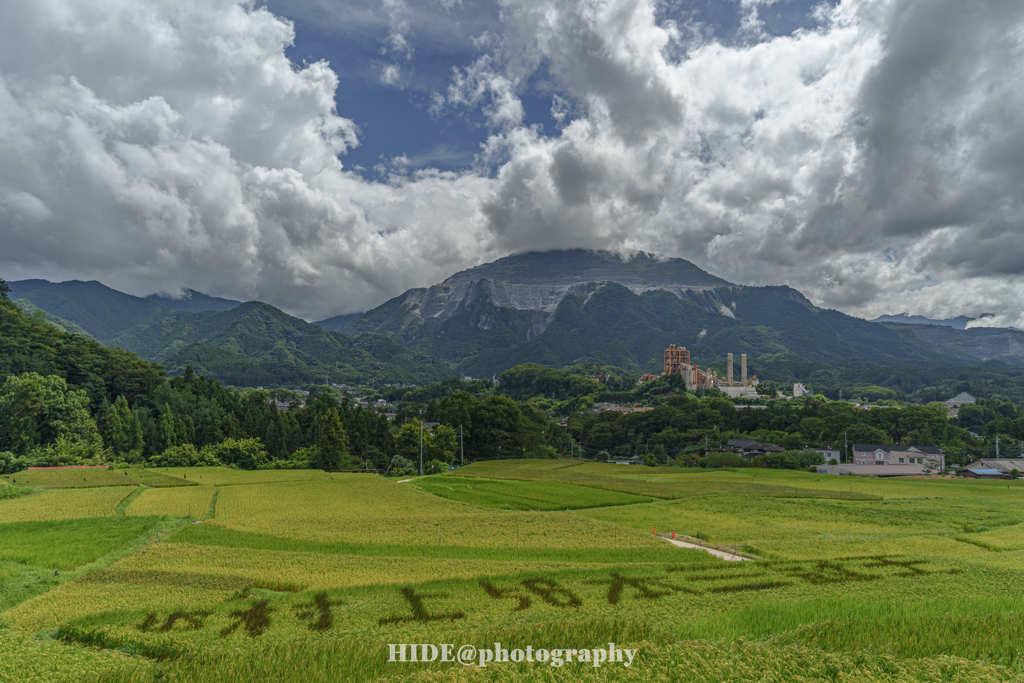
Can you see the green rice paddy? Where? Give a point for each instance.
(303, 576)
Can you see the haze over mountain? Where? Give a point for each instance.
(193, 302)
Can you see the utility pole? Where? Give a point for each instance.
(845, 448)
(462, 447)
(997, 446)
(421, 447)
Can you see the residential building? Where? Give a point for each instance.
(1002, 465)
(752, 450)
(930, 457)
(829, 454)
(982, 473)
(873, 470)
(961, 399)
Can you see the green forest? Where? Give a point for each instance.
(67, 399)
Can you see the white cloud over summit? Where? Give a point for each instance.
(876, 163)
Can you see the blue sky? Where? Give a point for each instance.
(395, 120)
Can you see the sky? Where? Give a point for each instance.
(325, 156)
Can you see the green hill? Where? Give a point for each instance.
(99, 310)
(256, 344)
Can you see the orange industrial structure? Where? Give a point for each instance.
(677, 362)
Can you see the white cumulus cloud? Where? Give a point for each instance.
(874, 162)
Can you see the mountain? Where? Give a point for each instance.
(99, 310)
(59, 323)
(246, 344)
(103, 312)
(533, 283)
(565, 307)
(193, 302)
(337, 322)
(959, 322)
(257, 344)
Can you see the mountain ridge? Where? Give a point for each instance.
(495, 315)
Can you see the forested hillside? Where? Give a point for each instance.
(251, 344)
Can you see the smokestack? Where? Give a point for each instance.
(728, 370)
(743, 368)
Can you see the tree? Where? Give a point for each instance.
(407, 441)
(809, 458)
(37, 410)
(786, 460)
(332, 448)
(247, 454)
(166, 436)
(442, 445)
(4, 289)
(435, 467)
(119, 428)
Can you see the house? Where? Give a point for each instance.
(829, 453)
(961, 399)
(873, 470)
(1003, 465)
(738, 444)
(870, 454)
(982, 473)
(752, 450)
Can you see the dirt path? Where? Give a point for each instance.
(402, 481)
(727, 556)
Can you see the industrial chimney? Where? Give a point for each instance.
(743, 369)
(728, 371)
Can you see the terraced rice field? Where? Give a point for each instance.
(178, 501)
(64, 504)
(303, 576)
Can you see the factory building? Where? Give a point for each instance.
(743, 388)
(677, 362)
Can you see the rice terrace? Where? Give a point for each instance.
(214, 574)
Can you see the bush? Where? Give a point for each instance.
(435, 467)
(9, 462)
(779, 461)
(185, 455)
(724, 460)
(400, 467)
(246, 454)
(67, 452)
(809, 458)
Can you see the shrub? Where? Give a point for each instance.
(779, 461)
(185, 455)
(723, 460)
(435, 467)
(247, 454)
